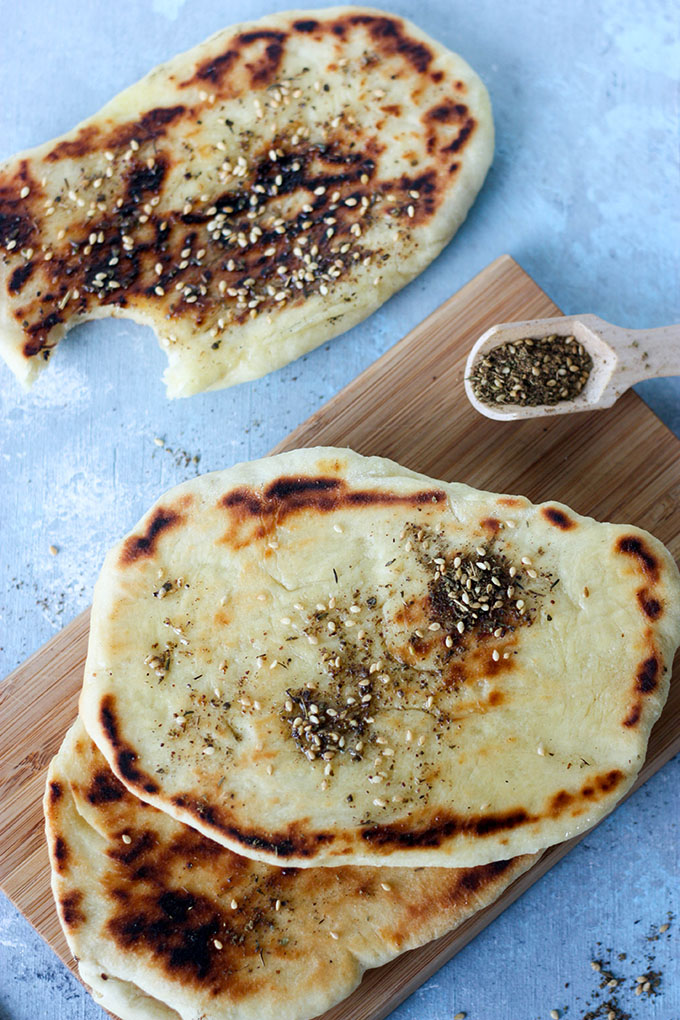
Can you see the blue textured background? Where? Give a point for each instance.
(584, 193)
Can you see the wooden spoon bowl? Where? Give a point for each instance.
(621, 358)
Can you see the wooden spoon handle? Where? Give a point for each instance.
(645, 353)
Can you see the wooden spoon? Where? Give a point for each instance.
(621, 358)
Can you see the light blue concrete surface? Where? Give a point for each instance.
(584, 193)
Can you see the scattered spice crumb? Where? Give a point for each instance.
(54, 550)
(639, 982)
(648, 983)
(182, 458)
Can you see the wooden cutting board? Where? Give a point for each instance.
(620, 465)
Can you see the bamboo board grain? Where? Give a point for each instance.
(620, 465)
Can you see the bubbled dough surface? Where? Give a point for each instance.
(466, 782)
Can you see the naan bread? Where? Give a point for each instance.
(249, 199)
(166, 923)
(321, 658)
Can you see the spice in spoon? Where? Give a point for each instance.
(530, 371)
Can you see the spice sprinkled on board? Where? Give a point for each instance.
(530, 372)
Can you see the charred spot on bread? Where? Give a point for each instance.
(636, 547)
(557, 517)
(163, 520)
(647, 676)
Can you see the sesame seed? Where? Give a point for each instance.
(554, 1014)
(435, 626)
(209, 750)
(595, 965)
(460, 626)
(460, 1016)
(217, 944)
(234, 905)
(379, 803)
(664, 928)
(495, 655)
(25, 192)
(336, 527)
(386, 886)
(53, 550)
(126, 839)
(334, 935)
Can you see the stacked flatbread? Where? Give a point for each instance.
(330, 708)
(167, 923)
(248, 199)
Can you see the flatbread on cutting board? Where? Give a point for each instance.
(322, 658)
(166, 923)
(248, 199)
